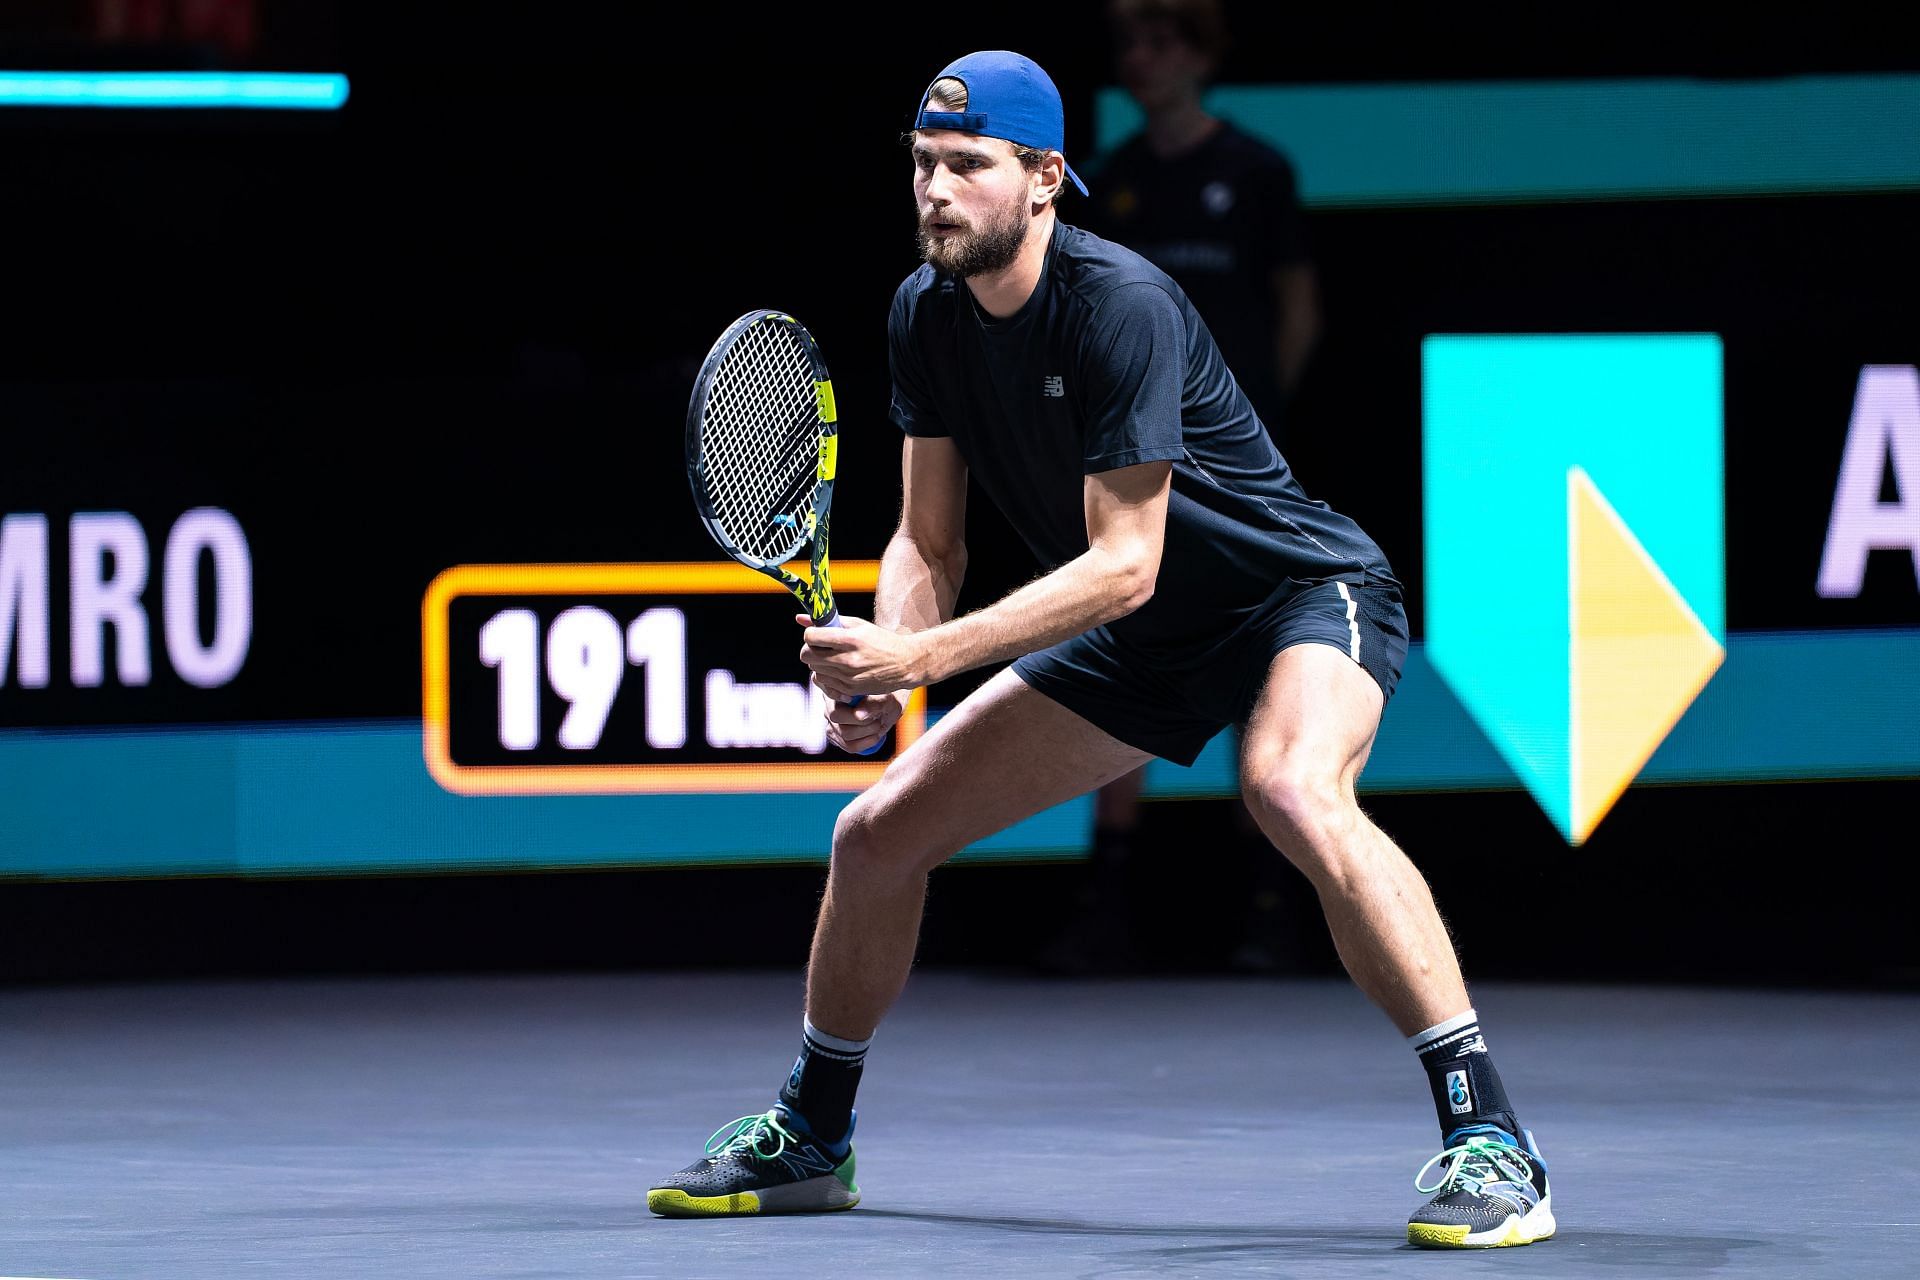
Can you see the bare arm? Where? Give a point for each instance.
(1296, 291)
(920, 575)
(1126, 514)
(1126, 530)
(921, 571)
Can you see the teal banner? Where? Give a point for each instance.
(357, 798)
(1362, 145)
(1785, 707)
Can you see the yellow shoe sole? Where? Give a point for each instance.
(674, 1203)
(1431, 1236)
(678, 1204)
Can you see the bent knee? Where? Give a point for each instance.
(870, 841)
(1305, 809)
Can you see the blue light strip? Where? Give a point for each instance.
(275, 91)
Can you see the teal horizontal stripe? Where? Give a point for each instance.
(1540, 141)
(357, 797)
(1790, 705)
(1804, 706)
(278, 91)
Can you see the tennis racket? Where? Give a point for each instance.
(763, 439)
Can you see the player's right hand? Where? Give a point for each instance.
(858, 727)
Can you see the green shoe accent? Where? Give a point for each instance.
(845, 1172)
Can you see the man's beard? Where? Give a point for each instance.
(978, 252)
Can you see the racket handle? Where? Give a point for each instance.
(857, 698)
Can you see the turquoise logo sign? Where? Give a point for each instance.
(1575, 547)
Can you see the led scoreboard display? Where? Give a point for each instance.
(610, 678)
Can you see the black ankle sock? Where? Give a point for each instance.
(823, 1081)
(1466, 1088)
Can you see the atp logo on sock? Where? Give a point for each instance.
(1459, 1097)
(1575, 547)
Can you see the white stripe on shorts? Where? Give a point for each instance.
(1353, 627)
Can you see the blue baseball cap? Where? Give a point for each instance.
(1008, 96)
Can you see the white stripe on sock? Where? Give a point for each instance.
(1421, 1039)
(826, 1041)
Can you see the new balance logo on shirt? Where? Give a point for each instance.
(1054, 386)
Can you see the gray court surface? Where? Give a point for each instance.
(508, 1126)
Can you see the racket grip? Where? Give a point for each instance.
(857, 698)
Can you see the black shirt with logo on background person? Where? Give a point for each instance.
(1222, 219)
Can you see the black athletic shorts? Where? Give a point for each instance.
(1172, 704)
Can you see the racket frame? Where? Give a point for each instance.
(815, 595)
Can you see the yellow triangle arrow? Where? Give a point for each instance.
(1640, 655)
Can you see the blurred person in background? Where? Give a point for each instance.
(1217, 209)
(230, 27)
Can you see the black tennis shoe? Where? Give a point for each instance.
(1492, 1193)
(767, 1163)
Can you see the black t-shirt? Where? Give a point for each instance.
(1220, 219)
(1105, 366)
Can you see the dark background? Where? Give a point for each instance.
(457, 322)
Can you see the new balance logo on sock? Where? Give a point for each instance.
(1055, 385)
(1463, 1040)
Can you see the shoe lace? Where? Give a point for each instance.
(748, 1132)
(1473, 1164)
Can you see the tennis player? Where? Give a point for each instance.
(1192, 585)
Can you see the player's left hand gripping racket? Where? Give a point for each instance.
(762, 442)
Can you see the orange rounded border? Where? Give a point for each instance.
(666, 578)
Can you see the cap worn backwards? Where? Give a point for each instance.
(1008, 96)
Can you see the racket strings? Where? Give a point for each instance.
(760, 439)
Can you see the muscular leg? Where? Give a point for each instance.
(1309, 737)
(1003, 754)
(1304, 748)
